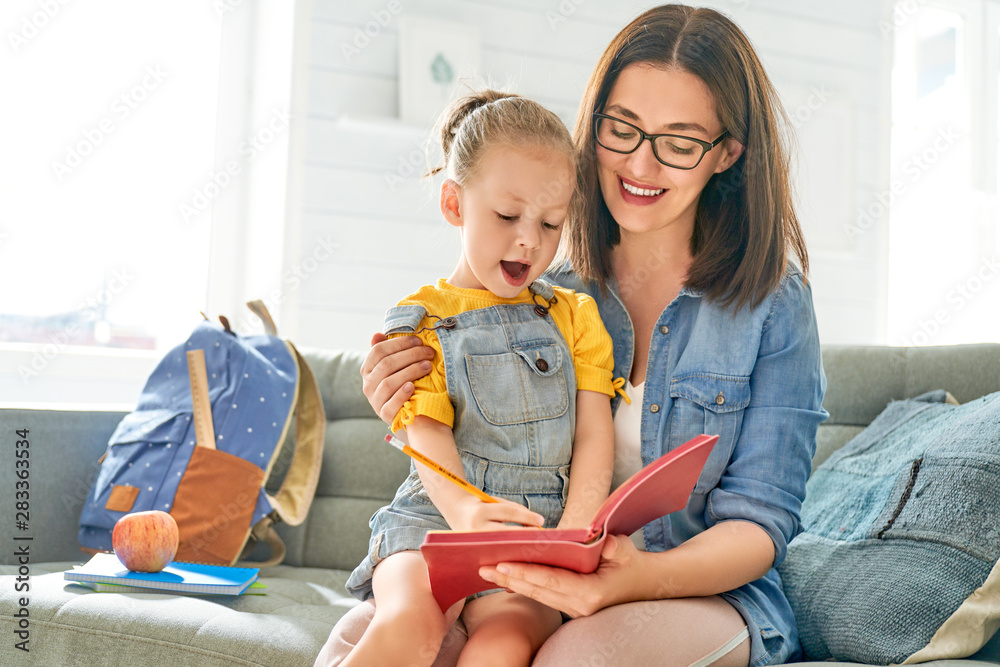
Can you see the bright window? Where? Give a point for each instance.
(108, 130)
(944, 265)
(145, 156)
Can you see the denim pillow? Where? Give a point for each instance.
(901, 531)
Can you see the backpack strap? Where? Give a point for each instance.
(292, 500)
(263, 531)
(258, 308)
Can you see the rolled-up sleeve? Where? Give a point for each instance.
(765, 480)
(592, 348)
(430, 393)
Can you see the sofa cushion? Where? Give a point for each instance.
(66, 445)
(901, 526)
(72, 625)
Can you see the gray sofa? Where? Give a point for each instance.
(67, 625)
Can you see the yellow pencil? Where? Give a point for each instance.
(439, 469)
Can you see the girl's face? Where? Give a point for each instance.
(511, 214)
(642, 193)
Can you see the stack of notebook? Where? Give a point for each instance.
(105, 573)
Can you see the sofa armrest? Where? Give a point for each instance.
(63, 449)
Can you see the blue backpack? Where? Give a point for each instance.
(215, 490)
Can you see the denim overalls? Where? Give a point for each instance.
(511, 378)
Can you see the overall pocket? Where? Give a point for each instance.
(524, 385)
(713, 404)
(412, 491)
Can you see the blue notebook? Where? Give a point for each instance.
(256, 588)
(177, 577)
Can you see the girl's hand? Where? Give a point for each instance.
(617, 579)
(389, 370)
(474, 514)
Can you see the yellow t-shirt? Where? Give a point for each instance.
(574, 314)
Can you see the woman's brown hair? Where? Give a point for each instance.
(745, 223)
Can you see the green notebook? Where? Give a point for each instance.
(105, 568)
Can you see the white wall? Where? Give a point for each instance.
(365, 230)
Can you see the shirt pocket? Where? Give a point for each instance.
(524, 385)
(713, 404)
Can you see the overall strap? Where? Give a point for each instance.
(542, 289)
(403, 319)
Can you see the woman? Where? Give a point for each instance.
(682, 237)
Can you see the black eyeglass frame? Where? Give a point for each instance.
(705, 145)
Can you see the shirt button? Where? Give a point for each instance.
(664, 329)
(720, 399)
(542, 365)
(654, 408)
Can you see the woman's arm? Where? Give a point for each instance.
(389, 370)
(460, 509)
(593, 459)
(753, 512)
(722, 558)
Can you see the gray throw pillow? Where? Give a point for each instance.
(901, 531)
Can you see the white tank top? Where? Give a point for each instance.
(628, 457)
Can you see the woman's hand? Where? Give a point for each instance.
(722, 558)
(617, 579)
(389, 370)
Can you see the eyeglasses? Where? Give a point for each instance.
(673, 150)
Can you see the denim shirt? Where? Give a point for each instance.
(754, 378)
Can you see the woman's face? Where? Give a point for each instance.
(642, 193)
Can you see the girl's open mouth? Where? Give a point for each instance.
(514, 272)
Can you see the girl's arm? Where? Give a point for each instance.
(460, 509)
(593, 459)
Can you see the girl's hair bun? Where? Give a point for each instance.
(484, 118)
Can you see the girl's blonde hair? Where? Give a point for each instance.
(489, 118)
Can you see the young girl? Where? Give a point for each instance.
(519, 367)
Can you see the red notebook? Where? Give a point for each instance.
(454, 557)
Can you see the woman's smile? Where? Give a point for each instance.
(639, 194)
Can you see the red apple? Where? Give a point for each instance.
(145, 541)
